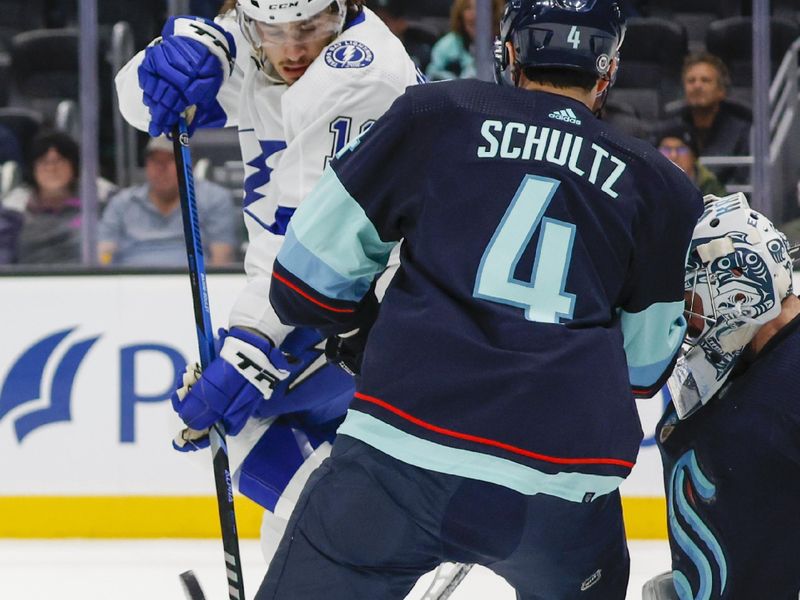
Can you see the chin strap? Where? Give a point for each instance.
(601, 103)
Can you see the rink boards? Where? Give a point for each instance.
(86, 369)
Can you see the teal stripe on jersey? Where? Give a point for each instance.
(652, 337)
(473, 465)
(303, 264)
(332, 226)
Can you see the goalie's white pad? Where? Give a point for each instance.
(660, 587)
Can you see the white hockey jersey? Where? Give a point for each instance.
(288, 134)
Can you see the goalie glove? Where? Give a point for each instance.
(185, 67)
(230, 389)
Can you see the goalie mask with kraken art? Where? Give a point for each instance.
(738, 272)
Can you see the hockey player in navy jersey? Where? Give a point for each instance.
(541, 280)
(299, 81)
(730, 442)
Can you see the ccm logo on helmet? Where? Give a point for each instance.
(283, 5)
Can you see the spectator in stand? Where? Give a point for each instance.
(719, 127)
(451, 57)
(48, 200)
(143, 226)
(677, 143)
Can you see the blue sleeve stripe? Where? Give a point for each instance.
(571, 486)
(334, 228)
(303, 264)
(652, 337)
(644, 377)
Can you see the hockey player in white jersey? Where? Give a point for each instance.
(299, 80)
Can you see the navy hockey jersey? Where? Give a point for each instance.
(732, 479)
(541, 276)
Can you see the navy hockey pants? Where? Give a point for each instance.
(367, 526)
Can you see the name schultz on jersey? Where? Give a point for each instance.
(519, 141)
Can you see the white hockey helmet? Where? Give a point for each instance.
(286, 11)
(265, 22)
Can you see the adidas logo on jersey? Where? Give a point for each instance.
(566, 115)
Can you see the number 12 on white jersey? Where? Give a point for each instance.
(543, 297)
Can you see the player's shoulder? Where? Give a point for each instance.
(367, 46)
(453, 95)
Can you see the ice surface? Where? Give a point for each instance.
(139, 570)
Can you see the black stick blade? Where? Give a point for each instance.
(191, 586)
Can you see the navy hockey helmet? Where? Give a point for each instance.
(581, 35)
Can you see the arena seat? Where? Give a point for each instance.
(44, 68)
(730, 40)
(25, 123)
(652, 57)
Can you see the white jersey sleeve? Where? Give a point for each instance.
(131, 103)
(347, 88)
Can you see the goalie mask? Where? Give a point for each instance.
(270, 27)
(738, 272)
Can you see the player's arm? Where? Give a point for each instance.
(193, 63)
(316, 128)
(324, 273)
(652, 318)
(342, 235)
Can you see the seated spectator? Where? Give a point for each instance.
(720, 129)
(143, 226)
(48, 200)
(678, 144)
(451, 57)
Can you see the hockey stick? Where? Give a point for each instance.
(205, 339)
(445, 583)
(191, 587)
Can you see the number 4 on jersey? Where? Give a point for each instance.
(543, 297)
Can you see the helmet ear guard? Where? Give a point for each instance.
(739, 270)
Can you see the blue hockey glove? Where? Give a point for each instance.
(230, 389)
(185, 67)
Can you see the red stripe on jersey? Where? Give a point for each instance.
(496, 444)
(293, 287)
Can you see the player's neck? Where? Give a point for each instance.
(790, 308)
(585, 97)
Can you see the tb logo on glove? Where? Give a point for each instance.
(246, 372)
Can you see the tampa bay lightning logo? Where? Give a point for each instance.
(26, 379)
(348, 54)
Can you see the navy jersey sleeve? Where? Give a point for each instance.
(341, 236)
(651, 311)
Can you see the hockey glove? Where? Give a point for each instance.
(230, 389)
(186, 66)
(347, 350)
